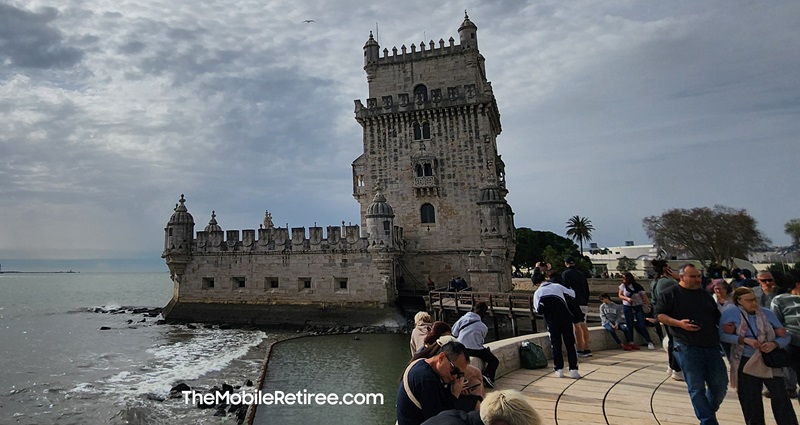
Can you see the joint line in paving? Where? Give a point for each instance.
(555, 409)
(605, 396)
(653, 396)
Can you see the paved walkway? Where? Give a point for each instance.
(617, 387)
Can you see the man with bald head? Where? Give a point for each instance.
(693, 318)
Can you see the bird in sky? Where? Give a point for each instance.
(308, 21)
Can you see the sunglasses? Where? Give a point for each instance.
(454, 370)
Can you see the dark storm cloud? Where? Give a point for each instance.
(27, 40)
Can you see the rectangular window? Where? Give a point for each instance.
(208, 283)
(304, 283)
(272, 282)
(340, 284)
(238, 282)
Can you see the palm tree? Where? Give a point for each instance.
(580, 229)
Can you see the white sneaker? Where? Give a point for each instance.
(559, 373)
(573, 373)
(650, 346)
(678, 376)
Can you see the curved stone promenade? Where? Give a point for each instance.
(617, 387)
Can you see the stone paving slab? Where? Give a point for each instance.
(618, 388)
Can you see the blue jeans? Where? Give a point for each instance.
(613, 332)
(638, 312)
(706, 378)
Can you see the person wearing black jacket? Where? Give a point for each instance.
(575, 279)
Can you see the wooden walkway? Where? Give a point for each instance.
(515, 306)
(617, 388)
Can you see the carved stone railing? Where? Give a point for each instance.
(426, 181)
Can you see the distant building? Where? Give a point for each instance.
(431, 188)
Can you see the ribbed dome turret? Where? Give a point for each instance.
(467, 23)
(371, 41)
(212, 224)
(379, 207)
(181, 214)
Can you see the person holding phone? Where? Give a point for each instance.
(693, 318)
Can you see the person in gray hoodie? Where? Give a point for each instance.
(611, 318)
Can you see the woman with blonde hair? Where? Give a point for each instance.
(422, 325)
(756, 332)
(506, 407)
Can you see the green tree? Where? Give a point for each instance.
(710, 236)
(626, 264)
(792, 228)
(532, 247)
(580, 229)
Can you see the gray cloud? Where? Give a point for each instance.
(28, 41)
(614, 111)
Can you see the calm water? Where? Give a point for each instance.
(57, 367)
(336, 364)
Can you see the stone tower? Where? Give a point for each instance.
(430, 130)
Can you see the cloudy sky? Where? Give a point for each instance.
(613, 110)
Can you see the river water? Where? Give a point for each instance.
(58, 367)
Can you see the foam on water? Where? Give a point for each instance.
(206, 351)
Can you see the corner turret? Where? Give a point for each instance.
(371, 54)
(468, 34)
(178, 239)
(380, 222)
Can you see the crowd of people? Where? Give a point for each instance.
(439, 385)
(754, 323)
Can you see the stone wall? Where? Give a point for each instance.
(343, 278)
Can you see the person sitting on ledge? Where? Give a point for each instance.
(611, 319)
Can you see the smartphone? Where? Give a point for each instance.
(472, 387)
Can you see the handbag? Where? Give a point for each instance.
(776, 358)
(531, 356)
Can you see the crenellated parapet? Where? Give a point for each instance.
(280, 239)
(441, 97)
(269, 239)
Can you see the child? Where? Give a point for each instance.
(611, 317)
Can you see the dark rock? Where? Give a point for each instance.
(104, 328)
(143, 320)
(129, 321)
(191, 326)
(140, 310)
(208, 326)
(346, 329)
(220, 412)
(177, 391)
(227, 389)
(248, 383)
(357, 339)
(224, 326)
(161, 322)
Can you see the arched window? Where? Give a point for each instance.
(421, 93)
(426, 130)
(417, 132)
(418, 169)
(428, 170)
(427, 213)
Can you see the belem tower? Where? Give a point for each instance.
(431, 189)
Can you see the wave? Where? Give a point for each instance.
(205, 351)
